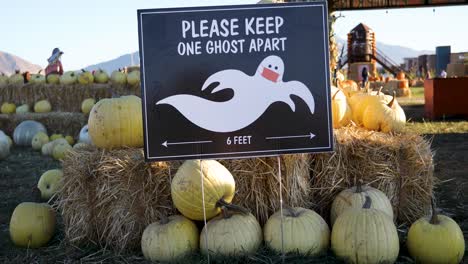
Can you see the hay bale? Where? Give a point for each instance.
(55, 122)
(109, 197)
(64, 98)
(257, 185)
(400, 165)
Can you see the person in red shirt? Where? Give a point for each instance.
(55, 65)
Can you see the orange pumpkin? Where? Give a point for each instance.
(402, 84)
(400, 76)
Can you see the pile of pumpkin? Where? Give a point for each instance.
(71, 77)
(372, 110)
(42, 106)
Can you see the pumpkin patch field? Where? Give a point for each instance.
(395, 190)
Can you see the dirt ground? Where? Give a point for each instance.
(20, 172)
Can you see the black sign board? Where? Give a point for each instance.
(235, 81)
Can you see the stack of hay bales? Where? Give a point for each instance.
(400, 165)
(110, 196)
(66, 116)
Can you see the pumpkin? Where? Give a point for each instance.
(53, 78)
(68, 78)
(3, 79)
(70, 140)
(84, 136)
(39, 140)
(25, 132)
(436, 239)
(117, 122)
(23, 109)
(60, 150)
(37, 78)
(85, 77)
(186, 188)
(48, 148)
(169, 239)
(403, 84)
(8, 108)
(231, 234)
(304, 232)
(87, 105)
(16, 78)
(340, 108)
(5, 138)
(400, 75)
(55, 136)
(4, 149)
(32, 225)
(365, 235)
(101, 76)
(133, 78)
(118, 77)
(355, 197)
(349, 87)
(364, 100)
(384, 117)
(49, 183)
(42, 106)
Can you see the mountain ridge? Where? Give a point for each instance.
(10, 62)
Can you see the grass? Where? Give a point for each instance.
(417, 92)
(442, 127)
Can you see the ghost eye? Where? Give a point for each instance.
(276, 67)
(269, 66)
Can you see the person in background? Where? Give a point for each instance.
(443, 74)
(365, 76)
(55, 65)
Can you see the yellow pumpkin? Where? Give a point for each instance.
(32, 225)
(42, 106)
(355, 197)
(3, 79)
(231, 234)
(304, 232)
(55, 136)
(16, 78)
(39, 140)
(363, 100)
(436, 239)
(340, 108)
(133, 78)
(169, 239)
(48, 148)
(116, 122)
(70, 140)
(8, 108)
(365, 236)
(53, 78)
(186, 188)
(349, 87)
(87, 105)
(384, 117)
(85, 77)
(60, 150)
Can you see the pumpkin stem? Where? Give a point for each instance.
(392, 101)
(291, 210)
(163, 219)
(225, 212)
(221, 203)
(83, 70)
(359, 186)
(434, 219)
(367, 203)
(17, 71)
(380, 90)
(333, 97)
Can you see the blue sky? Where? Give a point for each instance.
(94, 31)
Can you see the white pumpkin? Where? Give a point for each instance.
(25, 131)
(84, 136)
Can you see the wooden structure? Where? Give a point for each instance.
(446, 97)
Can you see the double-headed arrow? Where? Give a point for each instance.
(310, 135)
(167, 144)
